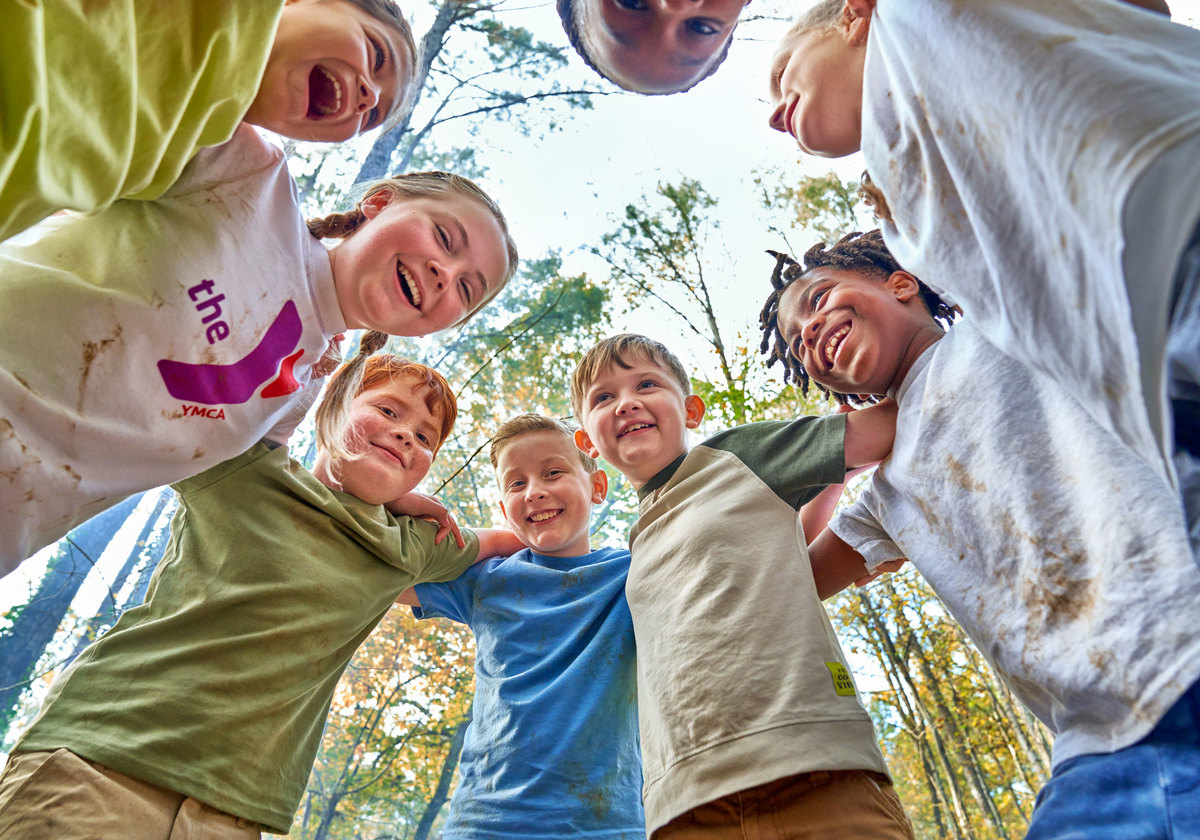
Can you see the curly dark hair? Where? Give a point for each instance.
(864, 253)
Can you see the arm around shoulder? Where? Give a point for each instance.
(870, 433)
(497, 542)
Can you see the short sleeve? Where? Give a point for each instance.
(795, 458)
(859, 528)
(452, 599)
(427, 561)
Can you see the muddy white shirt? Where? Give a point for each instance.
(150, 341)
(1060, 551)
(1007, 138)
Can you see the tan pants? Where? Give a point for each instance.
(60, 796)
(839, 805)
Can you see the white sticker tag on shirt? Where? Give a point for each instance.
(843, 683)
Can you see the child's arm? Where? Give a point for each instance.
(870, 433)
(422, 506)
(493, 542)
(816, 513)
(836, 565)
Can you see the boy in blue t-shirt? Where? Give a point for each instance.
(552, 749)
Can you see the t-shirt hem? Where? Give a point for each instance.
(274, 822)
(759, 758)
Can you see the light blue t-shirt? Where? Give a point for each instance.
(552, 750)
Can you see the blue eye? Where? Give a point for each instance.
(700, 26)
(632, 5)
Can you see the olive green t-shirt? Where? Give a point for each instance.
(105, 100)
(218, 686)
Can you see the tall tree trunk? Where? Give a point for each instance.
(35, 623)
(376, 164)
(885, 637)
(108, 613)
(443, 786)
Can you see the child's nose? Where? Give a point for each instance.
(368, 95)
(439, 274)
(810, 331)
(775, 121)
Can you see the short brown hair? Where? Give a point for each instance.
(526, 424)
(617, 350)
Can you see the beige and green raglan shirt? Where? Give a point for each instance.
(741, 680)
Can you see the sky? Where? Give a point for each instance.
(564, 190)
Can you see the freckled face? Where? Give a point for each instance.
(547, 495)
(394, 435)
(816, 92)
(418, 265)
(657, 46)
(854, 333)
(637, 419)
(334, 71)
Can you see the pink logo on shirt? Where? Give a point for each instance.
(236, 383)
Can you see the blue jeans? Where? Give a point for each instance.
(1147, 791)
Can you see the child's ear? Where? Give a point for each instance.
(856, 20)
(503, 512)
(903, 285)
(585, 445)
(599, 486)
(376, 201)
(694, 408)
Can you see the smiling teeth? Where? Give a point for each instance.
(635, 427)
(409, 286)
(543, 516)
(337, 91)
(832, 344)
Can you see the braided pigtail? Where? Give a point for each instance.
(337, 225)
(333, 414)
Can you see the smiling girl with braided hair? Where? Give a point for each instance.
(189, 327)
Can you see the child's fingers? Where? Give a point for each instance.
(883, 568)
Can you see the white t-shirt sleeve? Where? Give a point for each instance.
(859, 528)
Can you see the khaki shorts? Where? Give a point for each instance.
(838, 805)
(59, 795)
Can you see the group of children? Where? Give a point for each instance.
(1025, 328)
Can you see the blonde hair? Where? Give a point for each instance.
(367, 370)
(432, 184)
(618, 350)
(827, 14)
(527, 424)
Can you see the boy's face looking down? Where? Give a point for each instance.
(856, 332)
(637, 419)
(816, 87)
(657, 46)
(547, 494)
